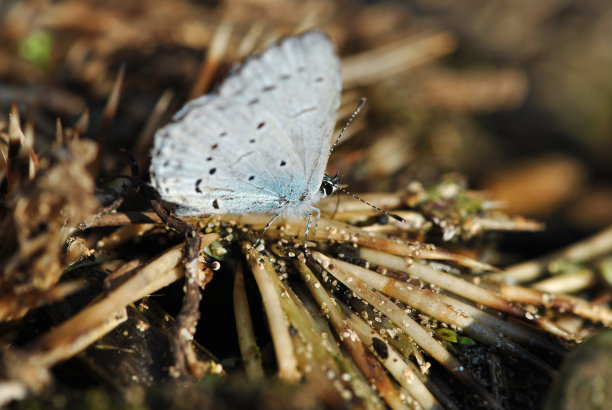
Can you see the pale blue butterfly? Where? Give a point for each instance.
(260, 142)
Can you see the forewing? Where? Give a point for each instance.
(298, 82)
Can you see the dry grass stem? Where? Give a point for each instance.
(122, 236)
(123, 218)
(387, 60)
(596, 246)
(214, 56)
(87, 326)
(563, 303)
(249, 350)
(460, 287)
(145, 138)
(393, 362)
(427, 302)
(375, 313)
(13, 306)
(370, 368)
(323, 313)
(572, 282)
(279, 327)
(412, 328)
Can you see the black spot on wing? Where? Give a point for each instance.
(215, 204)
(212, 171)
(197, 186)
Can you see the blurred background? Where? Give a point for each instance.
(515, 96)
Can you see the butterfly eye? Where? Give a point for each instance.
(327, 186)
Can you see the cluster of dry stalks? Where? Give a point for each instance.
(361, 317)
(380, 313)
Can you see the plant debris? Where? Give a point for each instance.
(379, 313)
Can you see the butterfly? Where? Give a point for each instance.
(260, 142)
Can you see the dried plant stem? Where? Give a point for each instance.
(412, 328)
(403, 345)
(512, 329)
(514, 224)
(390, 59)
(421, 251)
(371, 368)
(145, 139)
(122, 235)
(157, 274)
(279, 326)
(77, 333)
(337, 231)
(460, 287)
(394, 363)
(124, 218)
(567, 282)
(328, 390)
(359, 384)
(13, 306)
(429, 303)
(251, 356)
(322, 362)
(593, 247)
(324, 355)
(214, 56)
(566, 303)
(108, 116)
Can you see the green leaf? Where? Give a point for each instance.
(447, 334)
(36, 48)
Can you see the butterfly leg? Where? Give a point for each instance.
(265, 229)
(318, 212)
(310, 215)
(313, 211)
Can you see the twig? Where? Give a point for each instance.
(593, 247)
(279, 327)
(251, 356)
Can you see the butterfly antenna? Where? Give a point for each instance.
(394, 216)
(357, 110)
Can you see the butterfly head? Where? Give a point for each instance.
(329, 185)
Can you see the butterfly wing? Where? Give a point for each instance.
(216, 158)
(298, 81)
(258, 143)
